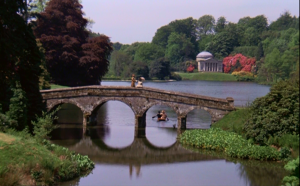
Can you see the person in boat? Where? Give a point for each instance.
(158, 115)
(163, 117)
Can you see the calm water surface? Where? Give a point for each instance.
(158, 159)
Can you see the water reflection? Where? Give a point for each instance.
(158, 159)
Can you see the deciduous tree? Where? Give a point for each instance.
(72, 59)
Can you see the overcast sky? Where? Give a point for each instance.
(128, 21)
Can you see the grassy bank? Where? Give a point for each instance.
(207, 76)
(234, 121)
(25, 161)
(53, 86)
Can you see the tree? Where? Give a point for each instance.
(251, 37)
(221, 23)
(205, 25)
(148, 52)
(72, 59)
(273, 64)
(119, 61)
(179, 48)
(161, 36)
(160, 68)
(20, 59)
(202, 43)
(283, 22)
(139, 68)
(117, 46)
(260, 52)
(95, 60)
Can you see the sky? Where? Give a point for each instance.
(129, 21)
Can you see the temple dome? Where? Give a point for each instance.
(204, 55)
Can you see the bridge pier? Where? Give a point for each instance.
(181, 120)
(181, 125)
(140, 126)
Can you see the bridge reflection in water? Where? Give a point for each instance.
(140, 152)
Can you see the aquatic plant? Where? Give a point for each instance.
(230, 143)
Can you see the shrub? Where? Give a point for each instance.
(44, 125)
(293, 178)
(175, 76)
(243, 76)
(275, 114)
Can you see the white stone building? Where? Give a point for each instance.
(207, 63)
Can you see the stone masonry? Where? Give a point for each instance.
(88, 98)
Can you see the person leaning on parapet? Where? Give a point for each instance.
(140, 82)
(133, 80)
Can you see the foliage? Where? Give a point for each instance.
(205, 25)
(275, 114)
(230, 143)
(293, 167)
(207, 76)
(175, 76)
(148, 52)
(140, 69)
(249, 51)
(161, 36)
(231, 61)
(72, 58)
(44, 125)
(18, 108)
(179, 48)
(20, 58)
(190, 68)
(160, 68)
(220, 25)
(243, 76)
(23, 157)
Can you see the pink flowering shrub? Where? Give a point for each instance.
(231, 61)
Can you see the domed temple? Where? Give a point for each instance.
(207, 63)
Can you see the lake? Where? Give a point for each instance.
(158, 159)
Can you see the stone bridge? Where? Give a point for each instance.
(89, 98)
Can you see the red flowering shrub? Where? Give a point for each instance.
(190, 68)
(245, 63)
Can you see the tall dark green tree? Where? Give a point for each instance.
(160, 68)
(20, 59)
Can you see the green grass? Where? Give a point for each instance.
(233, 121)
(24, 161)
(53, 86)
(207, 76)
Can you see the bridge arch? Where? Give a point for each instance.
(153, 103)
(104, 100)
(56, 103)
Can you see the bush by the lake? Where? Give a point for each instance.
(293, 167)
(275, 114)
(230, 143)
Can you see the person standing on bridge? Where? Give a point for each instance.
(133, 80)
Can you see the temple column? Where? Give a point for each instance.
(140, 126)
